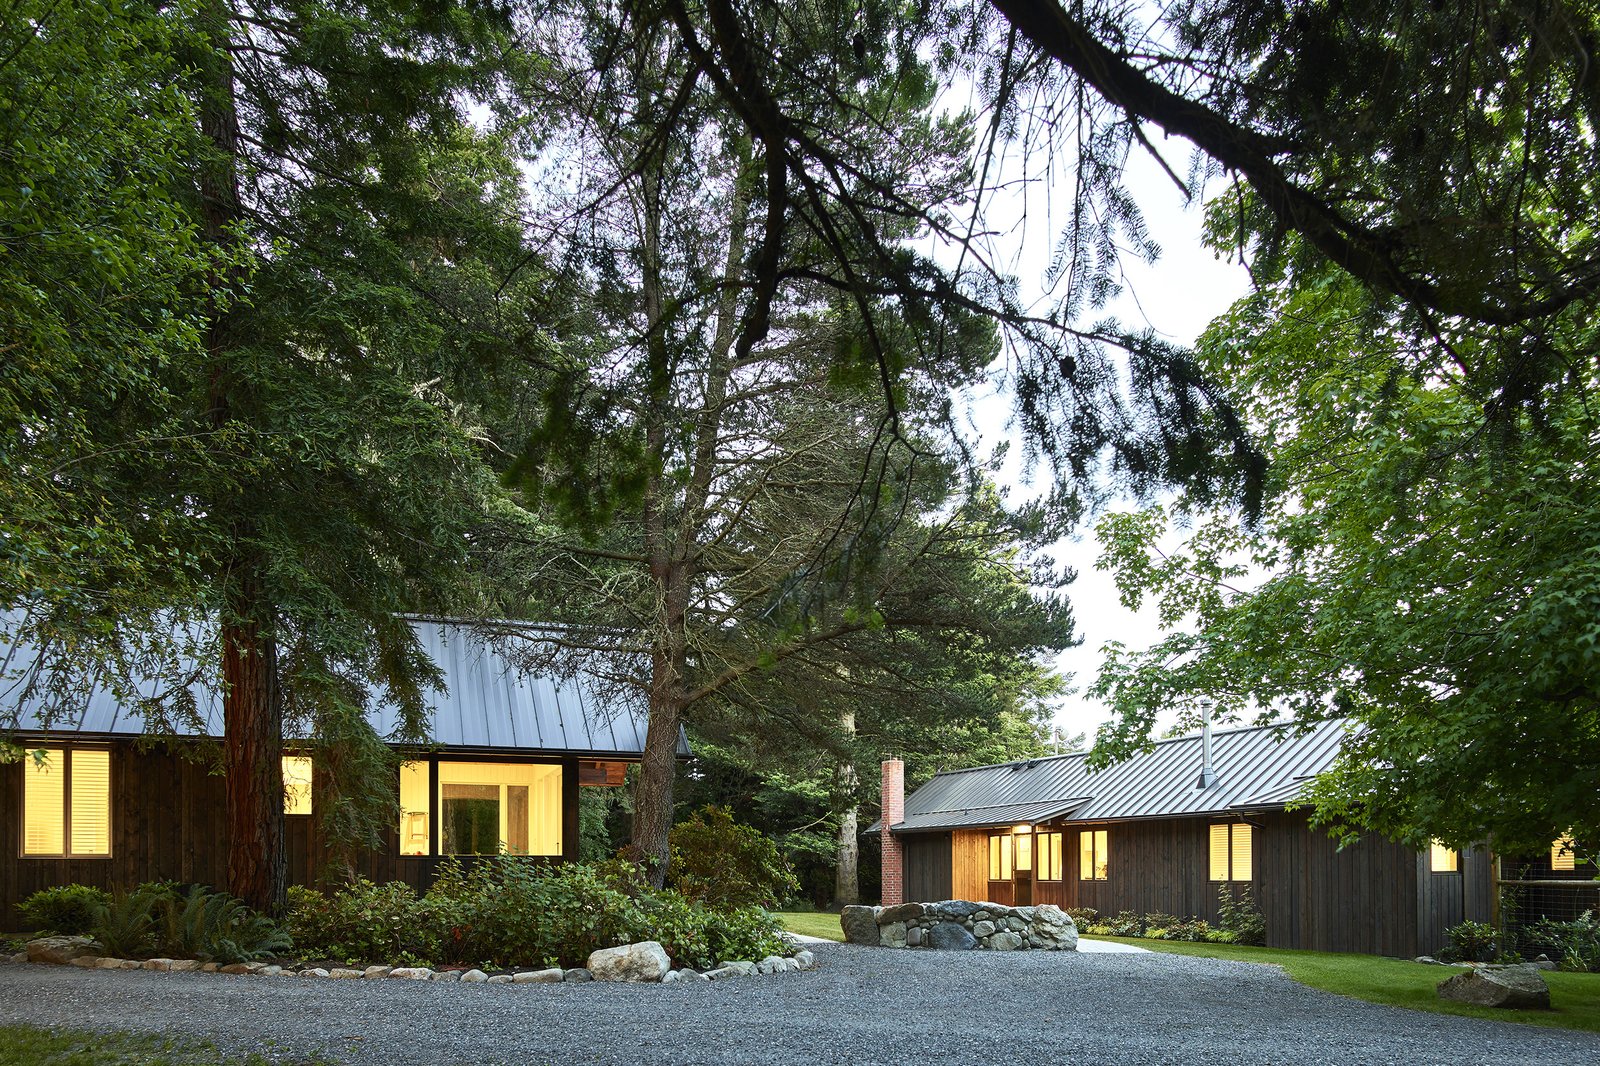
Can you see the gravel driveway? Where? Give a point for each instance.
(861, 1006)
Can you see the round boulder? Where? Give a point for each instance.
(1517, 987)
(951, 936)
(860, 925)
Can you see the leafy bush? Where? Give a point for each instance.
(1221, 936)
(1574, 945)
(68, 909)
(719, 862)
(1126, 923)
(1469, 942)
(1189, 929)
(1082, 916)
(1097, 929)
(213, 926)
(362, 922)
(1240, 916)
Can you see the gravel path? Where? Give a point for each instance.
(861, 1006)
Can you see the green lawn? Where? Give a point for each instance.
(1574, 997)
(24, 1045)
(811, 923)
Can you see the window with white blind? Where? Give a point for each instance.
(1231, 855)
(1563, 854)
(1443, 860)
(66, 803)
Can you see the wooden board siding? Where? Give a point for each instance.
(1447, 899)
(927, 867)
(168, 822)
(1364, 898)
(969, 864)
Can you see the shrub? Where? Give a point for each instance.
(362, 922)
(1098, 929)
(1082, 916)
(1240, 916)
(1126, 923)
(1221, 936)
(213, 926)
(1469, 942)
(717, 861)
(1575, 945)
(1190, 929)
(68, 909)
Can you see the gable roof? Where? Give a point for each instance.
(485, 704)
(1257, 768)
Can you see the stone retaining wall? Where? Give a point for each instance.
(958, 925)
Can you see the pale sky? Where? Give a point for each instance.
(1178, 297)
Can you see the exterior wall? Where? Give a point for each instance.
(1365, 898)
(168, 822)
(928, 868)
(1446, 899)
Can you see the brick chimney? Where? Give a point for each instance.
(894, 810)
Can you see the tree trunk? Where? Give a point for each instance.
(253, 742)
(251, 708)
(846, 877)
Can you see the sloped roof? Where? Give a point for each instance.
(1257, 767)
(484, 704)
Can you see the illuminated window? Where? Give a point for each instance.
(1049, 856)
(66, 803)
(415, 810)
(1231, 858)
(296, 784)
(1442, 860)
(489, 807)
(1093, 862)
(1024, 846)
(1000, 857)
(1563, 853)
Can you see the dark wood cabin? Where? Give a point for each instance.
(113, 809)
(1165, 831)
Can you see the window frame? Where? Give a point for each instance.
(1231, 834)
(1002, 857)
(1563, 854)
(67, 852)
(430, 761)
(1043, 855)
(1099, 855)
(283, 770)
(1435, 850)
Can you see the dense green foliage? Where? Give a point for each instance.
(1470, 942)
(1573, 945)
(69, 909)
(157, 920)
(521, 914)
(723, 864)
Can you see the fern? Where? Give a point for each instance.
(125, 926)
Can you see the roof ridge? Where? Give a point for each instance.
(1164, 740)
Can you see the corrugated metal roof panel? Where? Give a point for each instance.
(983, 817)
(1258, 766)
(484, 703)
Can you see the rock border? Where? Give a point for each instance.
(645, 962)
(961, 925)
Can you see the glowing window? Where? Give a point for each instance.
(1024, 847)
(415, 809)
(66, 803)
(1442, 860)
(1093, 862)
(487, 807)
(1049, 856)
(1563, 853)
(1000, 857)
(1231, 857)
(296, 784)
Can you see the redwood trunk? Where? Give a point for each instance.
(251, 708)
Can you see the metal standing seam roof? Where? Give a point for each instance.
(1257, 767)
(485, 704)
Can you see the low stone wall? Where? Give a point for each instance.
(958, 925)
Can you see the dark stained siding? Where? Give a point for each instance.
(1314, 896)
(168, 823)
(1447, 899)
(927, 859)
(1317, 897)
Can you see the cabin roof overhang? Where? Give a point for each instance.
(986, 817)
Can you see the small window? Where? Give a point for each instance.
(1231, 855)
(1442, 860)
(296, 784)
(66, 804)
(415, 809)
(1049, 856)
(1563, 853)
(1024, 848)
(1093, 862)
(1000, 857)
